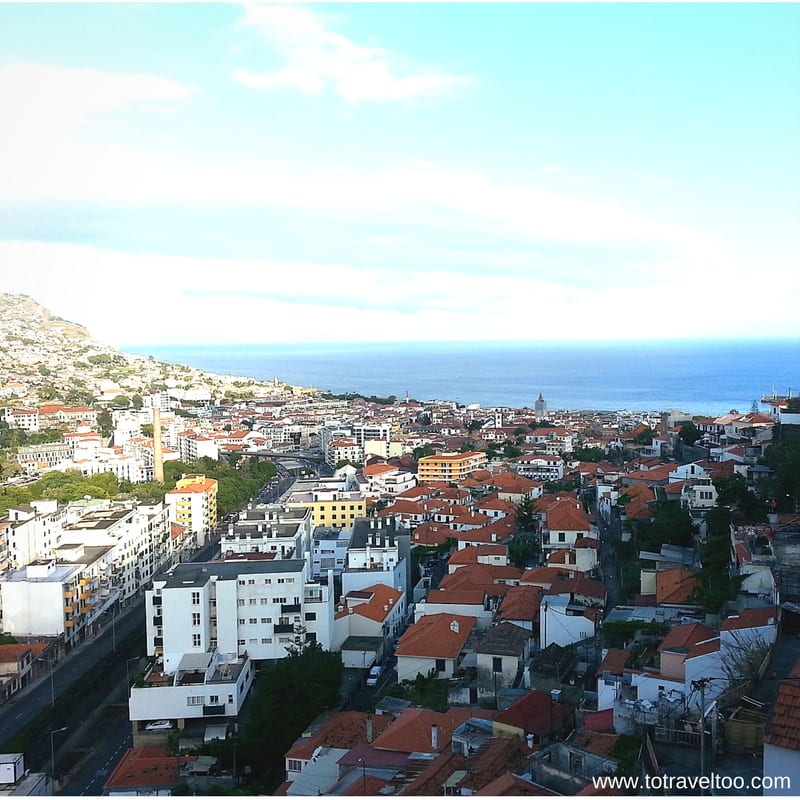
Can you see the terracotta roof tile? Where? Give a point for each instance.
(782, 729)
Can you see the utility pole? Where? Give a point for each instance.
(701, 685)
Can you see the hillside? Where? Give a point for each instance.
(46, 358)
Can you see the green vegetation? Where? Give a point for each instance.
(236, 485)
(589, 454)
(689, 433)
(644, 437)
(307, 681)
(618, 634)
(783, 456)
(427, 691)
(744, 505)
(716, 584)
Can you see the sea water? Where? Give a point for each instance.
(699, 377)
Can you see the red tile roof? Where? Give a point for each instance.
(436, 636)
(782, 729)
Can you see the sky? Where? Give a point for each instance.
(178, 173)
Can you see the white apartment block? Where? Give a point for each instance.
(32, 531)
(139, 538)
(341, 450)
(379, 552)
(208, 687)
(329, 550)
(541, 468)
(60, 597)
(274, 528)
(369, 431)
(252, 607)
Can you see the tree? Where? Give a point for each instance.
(121, 401)
(527, 518)
(689, 433)
(136, 401)
(523, 548)
(644, 437)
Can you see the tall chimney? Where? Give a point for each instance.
(158, 455)
(369, 728)
(435, 738)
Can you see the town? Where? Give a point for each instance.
(266, 588)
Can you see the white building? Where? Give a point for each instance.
(276, 529)
(379, 552)
(253, 607)
(60, 599)
(205, 686)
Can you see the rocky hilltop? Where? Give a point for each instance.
(46, 358)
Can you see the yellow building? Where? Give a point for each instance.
(330, 508)
(193, 504)
(450, 467)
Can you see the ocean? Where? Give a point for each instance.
(698, 377)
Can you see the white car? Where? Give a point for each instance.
(158, 725)
(374, 674)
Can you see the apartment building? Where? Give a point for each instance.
(59, 597)
(379, 552)
(449, 467)
(330, 507)
(193, 504)
(274, 528)
(247, 607)
(31, 531)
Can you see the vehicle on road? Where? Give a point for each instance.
(374, 675)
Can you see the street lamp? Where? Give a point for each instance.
(363, 775)
(53, 752)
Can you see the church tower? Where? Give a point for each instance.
(540, 408)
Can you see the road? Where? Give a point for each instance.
(23, 708)
(107, 747)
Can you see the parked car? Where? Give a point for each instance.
(374, 674)
(158, 725)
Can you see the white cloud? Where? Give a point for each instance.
(153, 298)
(317, 58)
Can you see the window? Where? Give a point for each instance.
(266, 640)
(195, 700)
(251, 582)
(440, 666)
(253, 620)
(294, 765)
(264, 601)
(497, 664)
(240, 582)
(196, 640)
(241, 620)
(267, 581)
(240, 602)
(195, 598)
(253, 601)
(213, 699)
(242, 642)
(311, 616)
(284, 639)
(195, 619)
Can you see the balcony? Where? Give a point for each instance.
(157, 600)
(217, 710)
(158, 620)
(284, 628)
(293, 608)
(158, 641)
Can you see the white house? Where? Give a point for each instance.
(433, 645)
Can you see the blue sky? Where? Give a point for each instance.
(391, 172)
